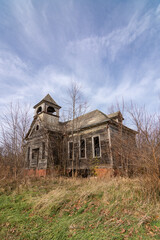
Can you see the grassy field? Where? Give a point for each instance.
(81, 209)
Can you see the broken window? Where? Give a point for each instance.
(39, 110)
(96, 146)
(82, 148)
(43, 150)
(70, 150)
(50, 110)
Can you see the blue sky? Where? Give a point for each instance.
(111, 47)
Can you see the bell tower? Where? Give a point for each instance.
(48, 111)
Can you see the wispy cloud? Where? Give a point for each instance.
(113, 42)
(30, 26)
(51, 45)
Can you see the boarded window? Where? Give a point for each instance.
(82, 148)
(43, 150)
(70, 150)
(96, 146)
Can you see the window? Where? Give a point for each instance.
(96, 147)
(82, 148)
(43, 150)
(70, 150)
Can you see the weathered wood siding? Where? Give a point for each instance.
(123, 147)
(31, 160)
(55, 149)
(90, 161)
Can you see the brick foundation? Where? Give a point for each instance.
(100, 172)
(35, 172)
(104, 172)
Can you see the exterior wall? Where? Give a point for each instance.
(90, 161)
(42, 142)
(123, 148)
(35, 142)
(54, 150)
(52, 121)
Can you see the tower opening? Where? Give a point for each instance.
(50, 110)
(39, 110)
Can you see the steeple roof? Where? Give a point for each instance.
(47, 99)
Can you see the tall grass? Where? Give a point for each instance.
(61, 208)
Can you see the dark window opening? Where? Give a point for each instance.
(50, 110)
(70, 150)
(43, 150)
(37, 127)
(96, 146)
(82, 148)
(39, 110)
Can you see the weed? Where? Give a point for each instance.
(79, 209)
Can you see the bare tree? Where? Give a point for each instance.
(147, 161)
(14, 125)
(148, 138)
(77, 106)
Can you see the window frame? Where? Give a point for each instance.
(84, 148)
(93, 149)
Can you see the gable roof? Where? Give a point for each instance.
(88, 120)
(95, 118)
(47, 99)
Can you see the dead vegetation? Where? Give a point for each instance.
(13, 127)
(62, 208)
(140, 160)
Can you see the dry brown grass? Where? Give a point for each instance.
(114, 191)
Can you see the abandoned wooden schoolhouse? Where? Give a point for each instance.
(93, 141)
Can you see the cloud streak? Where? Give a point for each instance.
(49, 47)
(116, 40)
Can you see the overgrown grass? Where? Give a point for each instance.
(81, 209)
